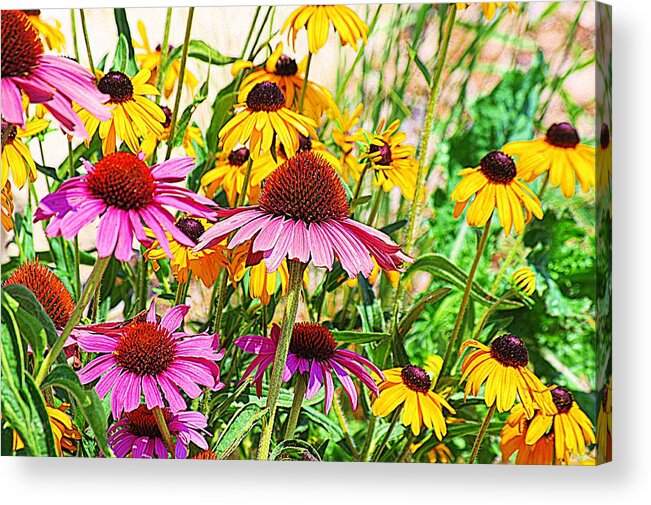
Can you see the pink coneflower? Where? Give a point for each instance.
(124, 193)
(302, 214)
(151, 356)
(313, 351)
(137, 435)
(54, 81)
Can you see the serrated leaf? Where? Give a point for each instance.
(64, 377)
(294, 450)
(442, 268)
(417, 309)
(198, 50)
(237, 428)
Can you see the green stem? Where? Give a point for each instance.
(387, 436)
(305, 81)
(358, 188)
(220, 302)
(368, 443)
(250, 34)
(73, 24)
(241, 199)
(141, 299)
(297, 403)
(87, 41)
(182, 291)
(296, 270)
(259, 34)
(71, 174)
(179, 85)
(490, 311)
(375, 207)
(164, 430)
(466, 295)
(93, 281)
(343, 423)
(163, 52)
(480, 435)
(414, 212)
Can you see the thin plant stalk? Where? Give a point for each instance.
(220, 302)
(164, 430)
(163, 51)
(466, 295)
(343, 423)
(368, 444)
(87, 42)
(297, 403)
(93, 281)
(426, 133)
(73, 25)
(296, 269)
(387, 436)
(182, 291)
(305, 82)
(482, 432)
(490, 311)
(179, 85)
(71, 174)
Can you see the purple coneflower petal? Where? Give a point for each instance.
(173, 318)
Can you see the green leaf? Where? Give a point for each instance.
(64, 377)
(442, 268)
(316, 416)
(12, 356)
(237, 428)
(49, 172)
(40, 419)
(358, 337)
(420, 64)
(129, 58)
(121, 56)
(294, 450)
(222, 108)
(418, 308)
(198, 50)
(184, 120)
(34, 324)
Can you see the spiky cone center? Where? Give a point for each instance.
(305, 188)
(145, 348)
(265, 96)
(562, 135)
(498, 167)
(510, 351)
(604, 137)
(384, 151)
(142, 423)
(191, 228)
(117, 85)
(563, 399)
(286, 66)
(239, 157)
(48, 290)
(21, 45)
(416, 379)
(312, 341)
(122, 180)
(207, 454)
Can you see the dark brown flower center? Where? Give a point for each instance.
(305, 188)
(48, 290)
(312, 341)
(304, 144)
(416, 379)
(21, 45)
(265, 96)
(563, 399)
(385, 153)
(604, 137)
(168, 116)
(509, 350)
(192, 228)
(32, 12)
(117, 85)
(142, 423)
(498, 167)
(562, 135)
(145, 349)
(239, 157)
(286, 66)
(9, 132)
(122, 180)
